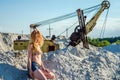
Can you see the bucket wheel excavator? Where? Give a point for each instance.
(79, 34)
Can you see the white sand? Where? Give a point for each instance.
(72, 63)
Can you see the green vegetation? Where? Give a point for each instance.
(117, 42)
(101, 42)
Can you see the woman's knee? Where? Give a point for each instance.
(39, 75)
(52, 75)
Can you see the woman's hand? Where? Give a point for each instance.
(46, 70)
(31, 74)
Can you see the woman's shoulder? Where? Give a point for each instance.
(30, 45)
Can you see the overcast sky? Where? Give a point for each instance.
(17, 15)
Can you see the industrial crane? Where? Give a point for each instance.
(81, 30)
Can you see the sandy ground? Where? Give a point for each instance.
(72, 63)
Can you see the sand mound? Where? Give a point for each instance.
(71, 63)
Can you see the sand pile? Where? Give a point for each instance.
(71, 63)
(83, 64)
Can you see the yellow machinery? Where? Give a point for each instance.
(48, 45)
(79, 33)
(20, 44)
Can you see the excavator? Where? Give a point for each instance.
(80, 31)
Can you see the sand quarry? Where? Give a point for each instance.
(71, 63)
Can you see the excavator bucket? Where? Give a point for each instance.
(79, 33)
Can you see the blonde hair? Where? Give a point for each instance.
(36, 38)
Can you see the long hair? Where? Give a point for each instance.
(36, 38)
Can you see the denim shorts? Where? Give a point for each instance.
(35, 66)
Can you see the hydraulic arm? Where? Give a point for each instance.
(79, 33)
(63, 17)
(91, 24)
(82, 30)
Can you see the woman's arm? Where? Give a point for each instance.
(29, 60)
(42, 65)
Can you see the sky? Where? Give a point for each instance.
(17, 15)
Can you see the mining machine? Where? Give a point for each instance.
(80, 31)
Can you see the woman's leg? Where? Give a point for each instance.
(52, 75)
(39, 75)
(49, 74)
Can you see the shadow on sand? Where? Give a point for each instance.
(9, 72)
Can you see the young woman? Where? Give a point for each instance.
(35, 64)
